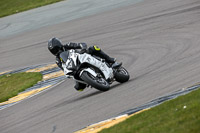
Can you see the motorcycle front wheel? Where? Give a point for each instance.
(96, 82)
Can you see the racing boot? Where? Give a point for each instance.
(116, 65)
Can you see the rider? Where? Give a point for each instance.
(55, 46)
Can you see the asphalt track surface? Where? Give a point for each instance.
(56, 13)
(157, 40)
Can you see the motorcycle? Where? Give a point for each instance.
(92, 70)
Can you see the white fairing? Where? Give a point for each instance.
(73, 56)
(90, 71)
(86, 58)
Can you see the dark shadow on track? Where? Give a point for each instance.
(76, 99)
(88, 95)
(120, 84)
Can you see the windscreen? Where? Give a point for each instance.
(64, 56)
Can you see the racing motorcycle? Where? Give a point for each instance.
(92, 70)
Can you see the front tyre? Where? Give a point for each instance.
(122, 75)
(96, 82)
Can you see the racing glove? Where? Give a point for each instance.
(83, 45)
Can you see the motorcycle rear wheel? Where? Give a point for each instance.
(121, 75)
(96, 82)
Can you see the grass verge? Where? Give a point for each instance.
(8, 7)
(180, 115)
(12, 84)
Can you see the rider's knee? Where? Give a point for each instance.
(79, 86)
(94, 49)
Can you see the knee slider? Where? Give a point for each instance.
(96, 48)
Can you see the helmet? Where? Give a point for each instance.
(54, 46)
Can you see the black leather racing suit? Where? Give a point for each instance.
(93, 50)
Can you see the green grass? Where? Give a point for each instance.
(169, 117)
(8, 7)
(12, 84)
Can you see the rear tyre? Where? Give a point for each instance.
(122, 75)
(96, 82)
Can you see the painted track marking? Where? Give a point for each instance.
(51, 78)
